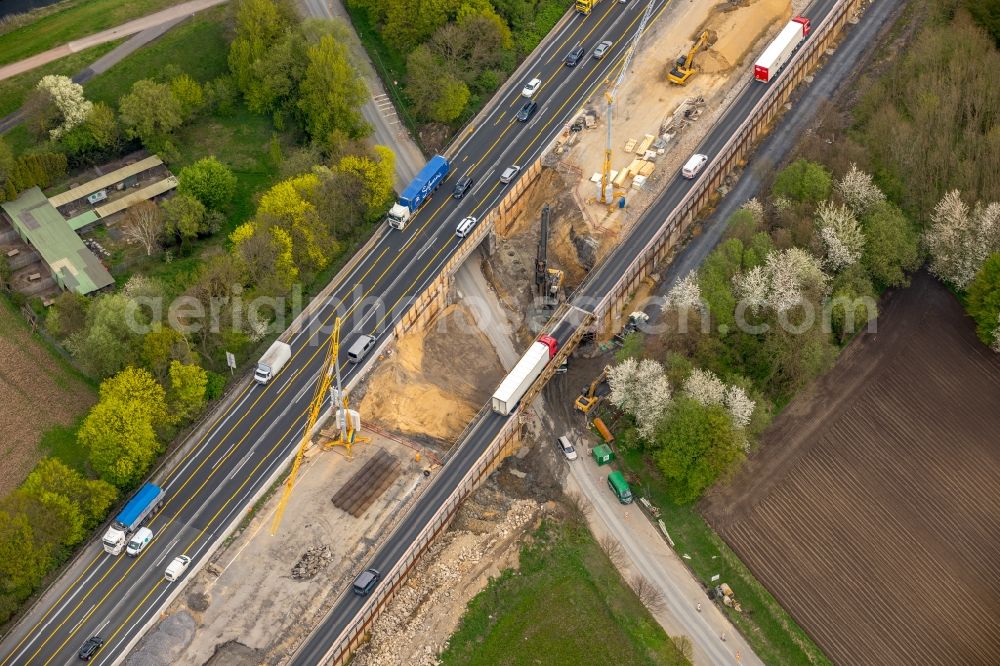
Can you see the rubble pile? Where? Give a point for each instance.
(409, 630)
(312, 562)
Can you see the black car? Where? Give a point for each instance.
(462, 186)
(574, 56)
(527, 110)
(366, 582)
(90, 648)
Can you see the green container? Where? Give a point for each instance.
(603, 454)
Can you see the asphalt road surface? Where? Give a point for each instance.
(206, 489)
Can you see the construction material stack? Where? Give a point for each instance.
(778, 52)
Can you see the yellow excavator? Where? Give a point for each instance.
(589, 399)
(684, 67)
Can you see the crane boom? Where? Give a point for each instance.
(606, 169)
(330, 368)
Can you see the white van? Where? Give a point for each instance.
(360, 348)
(694, 165)
(566, 448)
(139, 541)
(465, 226)
(177, 567)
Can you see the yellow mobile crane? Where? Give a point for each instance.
(606, 195)
(684, 67)
(329, 371)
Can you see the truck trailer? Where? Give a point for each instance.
(271, 363)
(527, 370)
(781, 49)
(143, 504)
(417, 192)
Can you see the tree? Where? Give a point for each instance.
(288, 206)
(143, 224)
(138, 385)
(781, 282)
(150, 112)
(983, 300)
(189, 95)
(959, 241)
(185, 217)
(40, 113)
(840, 235)
(739, 405)
(121, 441)
(264, 56)
(209, 181)
(331, 94)
(107, 342)
(187, 389)
(68, 98)
(23, 560)
(695, 444)
(803, 181)
(67, 315)
(437, 94)
(161, 346)
(649, 595)
(859, 191)
(705, 387)
(88, 501)
(376, 175)
(640, 388)
(685, 293)
(892, 245)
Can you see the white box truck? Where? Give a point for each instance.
(271, 363)
(527, 370)
(781, 49)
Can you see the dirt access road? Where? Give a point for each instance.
(872, 509)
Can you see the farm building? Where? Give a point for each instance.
(38, 223)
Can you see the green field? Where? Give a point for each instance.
(16, 88)
(770, 630)
(566, 604)
(197, 47)
(78, 19)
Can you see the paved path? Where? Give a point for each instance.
(111, 34)
(650, 556)
(378, 110)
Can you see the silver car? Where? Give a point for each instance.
(601, 49)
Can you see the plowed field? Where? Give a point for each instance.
(36, 393)
(872, 509)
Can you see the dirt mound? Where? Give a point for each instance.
(312, 562)
(436, 380)
(737, 32)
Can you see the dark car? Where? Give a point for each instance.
(527, 110)
(90, 648)
(462, 186)
(574, 56)
(366, 582)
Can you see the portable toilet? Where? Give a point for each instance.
(603, 454)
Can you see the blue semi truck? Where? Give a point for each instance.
(143, 504)
(417, 192)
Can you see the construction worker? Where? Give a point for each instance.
(699, 607)
(723, 637)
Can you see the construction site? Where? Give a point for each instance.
(431, 381)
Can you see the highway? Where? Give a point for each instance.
(597, 284)
(209, 487)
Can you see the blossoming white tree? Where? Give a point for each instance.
(705, 387)
(68, 98)
(960, 241)
(685, 293)
(779, 283)
(739, 405)
(858, 190)
(756, 208)
(840, 234)
(640, 388)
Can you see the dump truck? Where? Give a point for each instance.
(143, 504)
(527, 370)
(781, 49)
(418, 191)
(271, 363)
(586, 6)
